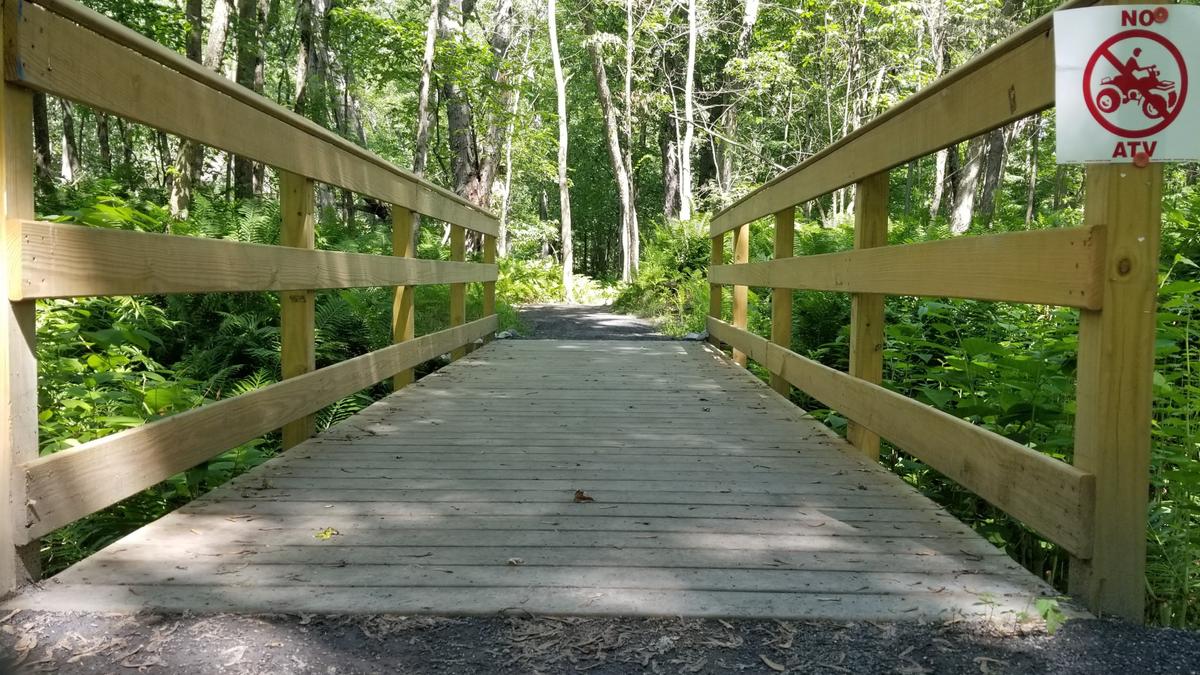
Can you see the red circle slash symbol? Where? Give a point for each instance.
(1127, 85)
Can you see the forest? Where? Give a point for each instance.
(604, 134)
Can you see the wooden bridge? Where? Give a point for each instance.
(641, 478)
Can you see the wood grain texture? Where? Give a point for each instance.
(19, 560)
(1051, 267)
(1115, 390)
(1011, 80)
(297, 320)
(404, 315)
(781, 298)
(113, 69)
(866, 309)
(1052, 497)
(431, 502)
(489, 287)
(71, 484)
(55, 260)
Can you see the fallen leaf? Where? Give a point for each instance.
(581, 496)
(777, 667)
(515, 562)
(326, 534)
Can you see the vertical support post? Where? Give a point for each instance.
(489, 287)
(458, 292)
(18, 358)
(297, 321)
(1114, 395)
(866, 309)
(404, 326)
(714, 290)
(741, 294)
(781, 298)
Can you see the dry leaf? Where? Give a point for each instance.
(515, 562)
(326, 534)
(777, 667)
(581, 496)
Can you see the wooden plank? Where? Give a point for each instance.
(458, 292)
(71, 484)
(405, 225)
(1050, 267)
(393, 511)
(1007, 82)
(489, 287)
(781, 298)
(420, 576)
(1050, 496)
(593, 601)
(55, 260)
(111, 68)
(635, 558)
(19, 558)
(715, 299)
(297, 320)
(1114, 382)
(866, 309)
(741, 293)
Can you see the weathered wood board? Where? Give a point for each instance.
(713, 496)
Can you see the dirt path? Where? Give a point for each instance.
(199, 644)
(583, 322)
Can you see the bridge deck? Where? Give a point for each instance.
(713, 496)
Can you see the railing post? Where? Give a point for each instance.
(781, 298)
(741, 294)
(18, 359)
(866, 309)
(1114, 386)
(489, 287)
(458, 292)
(404, 324)
(714, 290)
(297, 323)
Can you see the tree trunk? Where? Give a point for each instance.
(190, 156)
(669, 149)
(993, 169)
(635, 235)
(689, 120)
(939, 183)
(964, 193)
(103, 142)
(564, 190)
(70, 146)
(41, 141)
(251, 18)
(424, 114)
(1035, 129)
(729, 121)
(615, 156)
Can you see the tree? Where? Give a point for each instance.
(251, 19)
(689, 117)
(564, 188)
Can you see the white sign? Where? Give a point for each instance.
(1121, 83)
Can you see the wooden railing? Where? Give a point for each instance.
(1095, 508)
(64, 49)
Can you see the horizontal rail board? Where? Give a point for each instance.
(88, 58)
(1050, 496)
(54, 260)
(1051, 267)
(1009, 81)
(69, 485)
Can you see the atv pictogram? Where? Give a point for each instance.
(1136, 83)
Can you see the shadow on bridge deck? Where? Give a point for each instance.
(710, 496)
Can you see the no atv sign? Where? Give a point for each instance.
(1122, 75)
